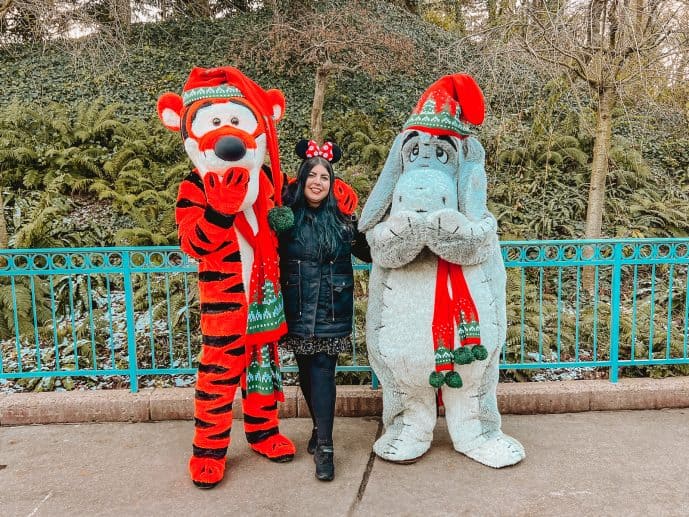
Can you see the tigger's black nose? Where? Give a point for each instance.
(230, 149)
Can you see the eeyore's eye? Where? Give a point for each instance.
(414, 153)
(441, 155)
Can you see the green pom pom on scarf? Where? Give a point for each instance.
(479, 352)
(463, 355)
(453, 380)
(436, 379)
(281, 218)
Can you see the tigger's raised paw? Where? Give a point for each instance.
(206, 472)
(276, 448)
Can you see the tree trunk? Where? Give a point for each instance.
(412, 6)
(241, 5)
(492, 6)
(322, 76)
(5, 6)
(599, 176)
(169, 9)
(459, 18)
(599, 165)
(596, 16)
(121, 14)
(639, 7)
(197, 8)
(4, 238)
(505, 7)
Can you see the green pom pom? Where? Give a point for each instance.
(281, 218)
(453, 380)
(463, 356)
(436, 379)
(479, 352)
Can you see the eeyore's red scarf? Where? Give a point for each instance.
(454, 311)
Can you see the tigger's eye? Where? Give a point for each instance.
(215, 115)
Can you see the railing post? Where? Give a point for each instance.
(131, 328)
(374, 381)
(615, 311)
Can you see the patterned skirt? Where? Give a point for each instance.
(313, 345)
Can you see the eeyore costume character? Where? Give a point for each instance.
(436, 313)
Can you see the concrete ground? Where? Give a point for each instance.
(591, 463)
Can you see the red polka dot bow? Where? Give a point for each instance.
(324, 151)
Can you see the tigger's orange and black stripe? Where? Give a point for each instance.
(210, 236)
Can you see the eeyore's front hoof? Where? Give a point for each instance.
(401, 462)
(400, 449)
(497, 452)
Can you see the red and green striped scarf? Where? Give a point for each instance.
(265, 319)
(454, 315)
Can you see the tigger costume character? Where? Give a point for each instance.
(227, 123)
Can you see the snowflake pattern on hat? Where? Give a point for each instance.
(450, 106)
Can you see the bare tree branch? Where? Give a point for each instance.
(330, 38)
(5, 7)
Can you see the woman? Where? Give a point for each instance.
(317, 286)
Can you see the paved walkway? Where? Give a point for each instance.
(592, 463)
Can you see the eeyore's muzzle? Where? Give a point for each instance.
(424, 190)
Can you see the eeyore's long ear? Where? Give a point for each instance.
(471, 180)
(381, 196)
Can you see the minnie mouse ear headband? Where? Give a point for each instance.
(346, 197)
(306, 149)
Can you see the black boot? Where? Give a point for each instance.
(313, 441)
(325, 468)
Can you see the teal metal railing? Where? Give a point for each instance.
(133, 312)
(597, 304)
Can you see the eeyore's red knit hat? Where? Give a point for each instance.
(449, 107)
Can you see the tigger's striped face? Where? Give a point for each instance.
(223, 134)
(220, 134)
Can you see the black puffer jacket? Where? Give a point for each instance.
(318, 293)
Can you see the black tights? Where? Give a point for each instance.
(317, 381)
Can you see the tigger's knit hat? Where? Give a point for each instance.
(450, 106)
(215, 83)
(227, 82)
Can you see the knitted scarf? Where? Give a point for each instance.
(454, 314)
(266, 319)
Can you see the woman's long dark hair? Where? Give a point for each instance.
(330, 225)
